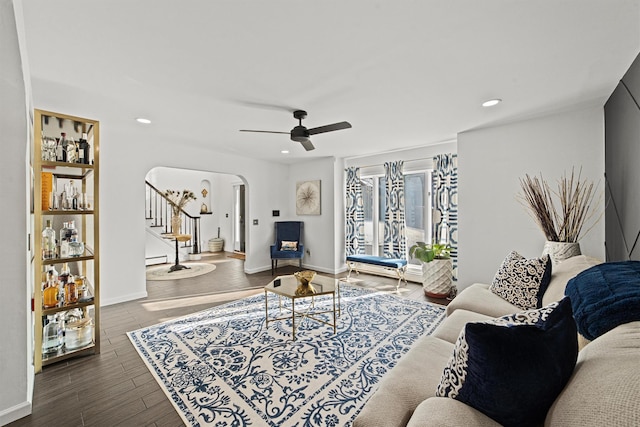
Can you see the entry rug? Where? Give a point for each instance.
(222, 367)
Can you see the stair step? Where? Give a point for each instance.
(154, 260)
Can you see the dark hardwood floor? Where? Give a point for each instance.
(115, 388)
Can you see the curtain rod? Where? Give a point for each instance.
(382, 164)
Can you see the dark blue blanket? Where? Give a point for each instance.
(605, 296)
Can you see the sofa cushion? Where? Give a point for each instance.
(411, 381)
(512, 368)
(605, 296)
(604, 388)
(562, 273)
(479, 299)
(522, 281)
(445, 412)
(450, 329)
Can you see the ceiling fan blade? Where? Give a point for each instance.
(264, 105)
(329, 128)
(263, 131)
(307, 145)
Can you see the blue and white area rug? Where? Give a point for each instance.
(222, 367)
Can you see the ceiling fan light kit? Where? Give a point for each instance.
(301, 134)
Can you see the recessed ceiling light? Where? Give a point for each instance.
(285, 151)
(143, 120)
(491, 102)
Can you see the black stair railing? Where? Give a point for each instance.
(158, 210)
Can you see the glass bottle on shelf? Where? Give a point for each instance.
(64, 144)
(65, 272)
(70, 291)
(64, 240)
(59, 150)
(71, 193)
(76, 248)
(64, 201)
(50, 292)
(48, 242)
(83, 150)
(72, 231)
(72, 151)
(52, 335)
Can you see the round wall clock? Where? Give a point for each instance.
(308, 198)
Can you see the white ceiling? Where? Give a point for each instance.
(403, 73)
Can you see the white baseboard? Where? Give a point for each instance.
(122, 298)
(14, 413)
(156, 260)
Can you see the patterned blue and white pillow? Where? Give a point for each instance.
(288, 246)
(521, 281)
(513, 368)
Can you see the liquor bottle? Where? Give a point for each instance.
(70, 291)
(50, 292)
(76, 248)
(48, 242)
(64, 240)
(59, 150)
(63, 143)
(72, 231)
(83, 150)
(64, 274)
(52, 335)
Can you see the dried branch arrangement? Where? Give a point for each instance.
(563, 220)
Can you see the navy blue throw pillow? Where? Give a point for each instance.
(513, 368)
(605, 296)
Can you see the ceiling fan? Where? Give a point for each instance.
(301, 134)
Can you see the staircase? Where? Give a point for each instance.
(158, 212)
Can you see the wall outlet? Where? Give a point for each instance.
(308, 252)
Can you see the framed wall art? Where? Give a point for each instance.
(308, 197)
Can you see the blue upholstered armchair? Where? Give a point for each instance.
(288, 243)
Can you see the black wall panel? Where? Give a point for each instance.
(622, 168)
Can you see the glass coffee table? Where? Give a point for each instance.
(285, 286)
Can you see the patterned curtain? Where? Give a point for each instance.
(395, 239)
(445, 204)
(354, 227)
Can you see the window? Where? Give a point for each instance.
(417, 210)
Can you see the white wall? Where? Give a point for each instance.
(122, 185)
(319, 238)
(16, 371)
(490, 163)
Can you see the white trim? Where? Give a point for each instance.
(15, 412)
(123, 298)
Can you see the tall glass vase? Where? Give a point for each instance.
(176, 221)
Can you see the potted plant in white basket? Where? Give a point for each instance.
(437, 268)
(562, 214)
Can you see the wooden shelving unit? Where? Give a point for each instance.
(49, 125)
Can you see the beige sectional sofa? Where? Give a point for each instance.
(604, 389)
